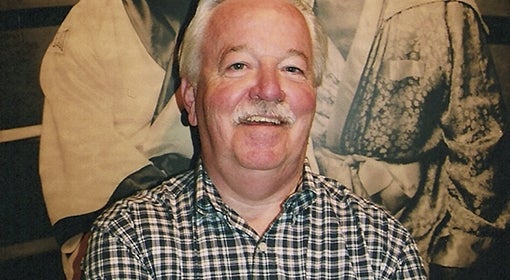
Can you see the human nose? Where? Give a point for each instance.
(268, 86)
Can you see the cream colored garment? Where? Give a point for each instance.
(340, 81)
(393, 183)
(100, 87)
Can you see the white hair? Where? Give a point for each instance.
(190, 55)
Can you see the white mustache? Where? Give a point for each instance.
(261, 111)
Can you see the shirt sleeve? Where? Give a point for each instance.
(110, 255)
(410, 264)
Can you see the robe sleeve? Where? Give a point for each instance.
(473, 128)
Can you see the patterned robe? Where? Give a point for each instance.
(428, 97)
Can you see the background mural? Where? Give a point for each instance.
(27, 246)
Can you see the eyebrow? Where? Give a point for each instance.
(231, 50)
(290, 52)
(295, 52)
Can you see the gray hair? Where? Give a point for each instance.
(190, 56)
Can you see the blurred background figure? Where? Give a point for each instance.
(411, 116)
(102, 76)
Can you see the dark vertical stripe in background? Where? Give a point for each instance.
(499, 29)
(31, 18)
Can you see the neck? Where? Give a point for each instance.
(256, 196)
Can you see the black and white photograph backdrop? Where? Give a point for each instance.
(412, 114)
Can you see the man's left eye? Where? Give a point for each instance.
(293, 69)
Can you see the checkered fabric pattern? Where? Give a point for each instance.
(183, 230)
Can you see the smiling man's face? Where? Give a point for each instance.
(254, 100)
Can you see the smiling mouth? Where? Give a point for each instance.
(261, 120)
(266, 113)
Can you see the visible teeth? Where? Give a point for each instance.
(261, 119)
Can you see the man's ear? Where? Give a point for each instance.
(187, 90)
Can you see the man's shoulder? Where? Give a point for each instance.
(350, 207)
(166, 199)
(362, 221)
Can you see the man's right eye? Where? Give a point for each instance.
(237, 66)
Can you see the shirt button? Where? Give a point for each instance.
(262, 247)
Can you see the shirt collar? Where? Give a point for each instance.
(208, 199)
(207, 196)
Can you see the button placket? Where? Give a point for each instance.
(262, 247)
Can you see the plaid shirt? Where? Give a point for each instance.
(183, 230)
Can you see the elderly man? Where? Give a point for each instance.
(252, 207)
